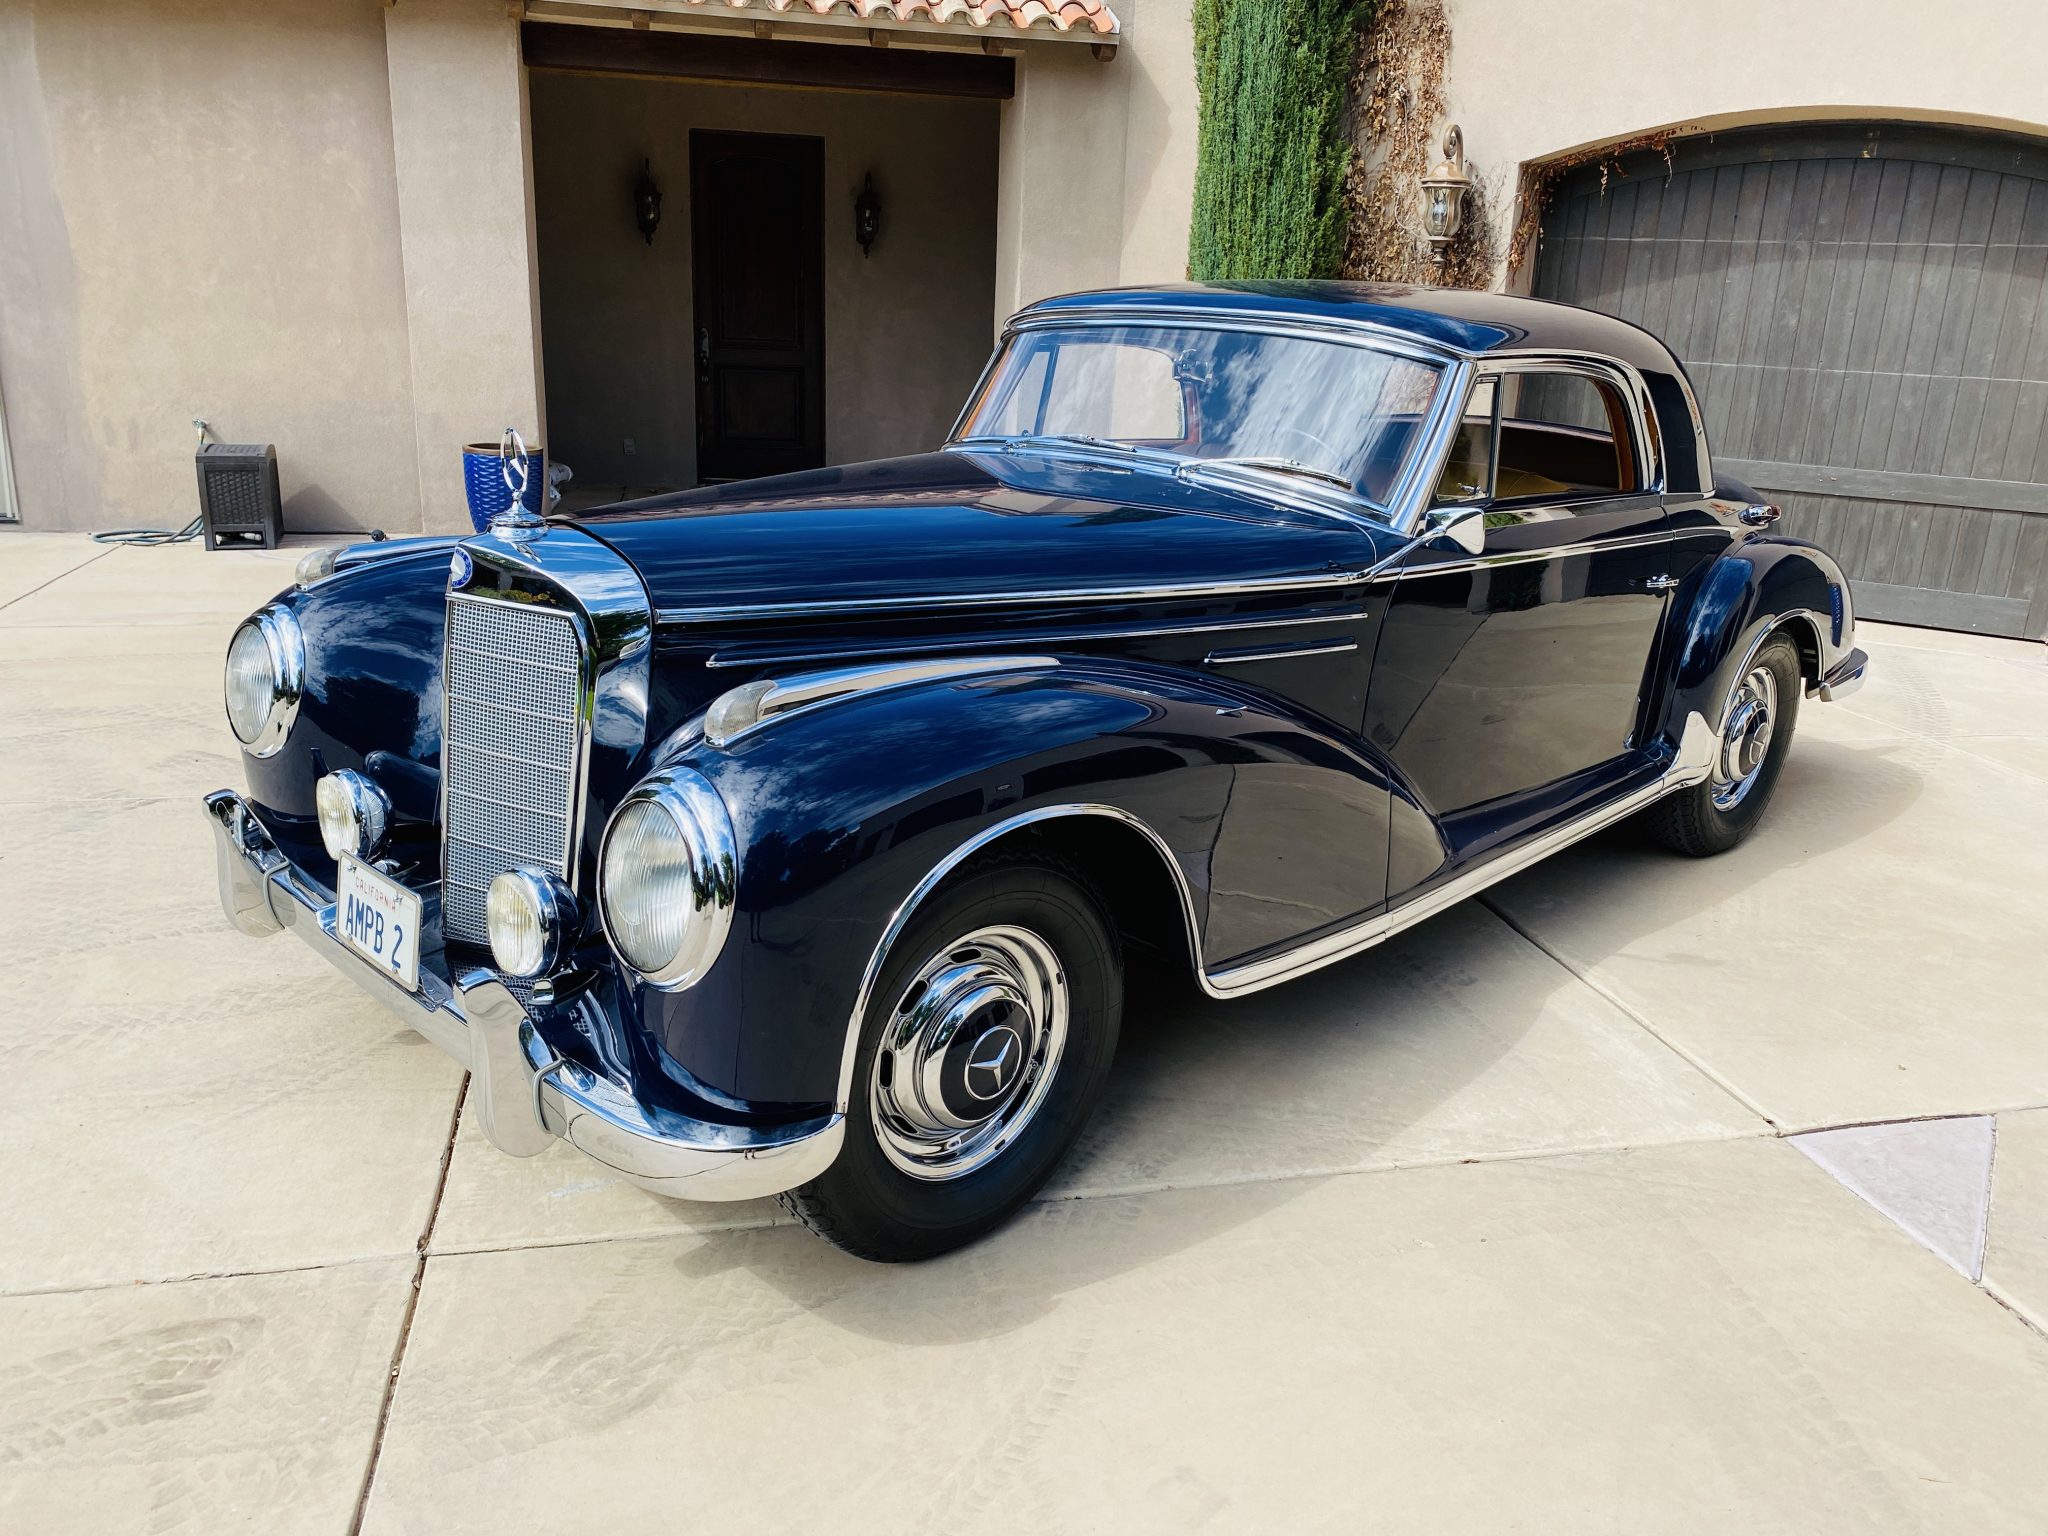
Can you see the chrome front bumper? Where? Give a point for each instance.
(520, 1090)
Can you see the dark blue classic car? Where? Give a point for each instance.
(790, 837)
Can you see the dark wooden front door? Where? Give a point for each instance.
(758, 258)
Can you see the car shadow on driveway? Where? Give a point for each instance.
(1456, 1041)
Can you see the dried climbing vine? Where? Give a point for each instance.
(1399, 111)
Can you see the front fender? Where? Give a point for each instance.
(843, 810)
(1760, 584)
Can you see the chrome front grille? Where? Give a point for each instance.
(511, 759)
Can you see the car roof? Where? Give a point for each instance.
(1456, 319)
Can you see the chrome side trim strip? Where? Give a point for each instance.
(1690, 765)
(1278, 653)
(727, 615)
(1524, 556)
(728, 659)
(1264, 584)
(741, 711)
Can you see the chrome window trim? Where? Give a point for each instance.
(808, 692)
(1691, 763)
(1625, 377)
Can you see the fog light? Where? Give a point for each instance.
(531, 918)
(354, 815)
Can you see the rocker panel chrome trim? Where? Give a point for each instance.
(1690, 765)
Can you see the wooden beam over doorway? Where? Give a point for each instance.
(659, 55)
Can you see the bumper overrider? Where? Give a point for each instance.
(523, 1094)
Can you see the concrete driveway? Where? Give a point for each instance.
(1512, 1224)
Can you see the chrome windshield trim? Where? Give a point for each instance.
(1342, 331)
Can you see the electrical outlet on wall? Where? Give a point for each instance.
(628, 446)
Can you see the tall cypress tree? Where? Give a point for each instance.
(1271, 151)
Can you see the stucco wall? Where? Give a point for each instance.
(198, 218)
(906, 327)
(1098, 161)
(1531, 81)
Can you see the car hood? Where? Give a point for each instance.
(964, 525)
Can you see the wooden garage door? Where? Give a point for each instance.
(1861, 308)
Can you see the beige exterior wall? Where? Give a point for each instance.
(1098, 161)
(1528, 82)
(198, 218)
(465, 203)
(906, 327)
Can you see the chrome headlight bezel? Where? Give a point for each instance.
(707, 845)
(364, 807)
(279, 630)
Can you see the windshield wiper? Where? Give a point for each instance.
(1278, 465)
(1088, 439)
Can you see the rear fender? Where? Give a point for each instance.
(1761, 585)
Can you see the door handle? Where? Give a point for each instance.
(1661, 583)
(704, 353)
(1761, 514)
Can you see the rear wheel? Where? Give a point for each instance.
(983, 1051)
(1756, 733)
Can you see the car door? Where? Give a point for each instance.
(1510, 677)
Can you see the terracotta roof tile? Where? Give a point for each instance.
(1063, 15)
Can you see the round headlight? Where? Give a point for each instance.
(530, 917)
(667, 877)
(266, 673)
(354, 814)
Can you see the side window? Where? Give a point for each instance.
(1563, 434)
(1468, 470)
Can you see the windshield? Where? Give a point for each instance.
(1321, 410)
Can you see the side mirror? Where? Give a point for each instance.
(1463, 526)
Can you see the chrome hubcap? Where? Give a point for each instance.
(1745, 737)
(969, 1053)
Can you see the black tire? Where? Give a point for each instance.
(865, 1202)
(1702, 820)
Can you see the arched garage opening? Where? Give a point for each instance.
(1863, 309)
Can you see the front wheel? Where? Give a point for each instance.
(1755, 734)
(982, 1053)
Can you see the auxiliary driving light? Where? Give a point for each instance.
(354, 815)
(531, 918)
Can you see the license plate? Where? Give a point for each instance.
(380, 920)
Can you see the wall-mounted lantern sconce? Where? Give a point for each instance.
(867, 214)
(1444, 191)
(647, 202)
